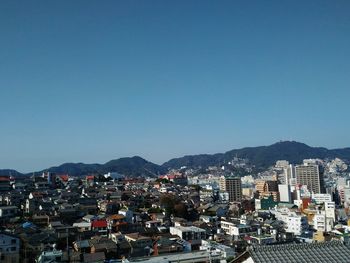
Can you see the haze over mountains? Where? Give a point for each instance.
(261, 157)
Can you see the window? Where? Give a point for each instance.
(13, 241)
(13, 248)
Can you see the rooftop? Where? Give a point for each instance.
(326, 252)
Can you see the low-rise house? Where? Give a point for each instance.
(209, 219)
(165, 245)
(103, 244)
(55, 224)
(140, 245)
(9, 248)
(218, 210)
(39, 241)
(138, 241)
(41, 219)
(108, 207)
(82, 246)
(124, 247)
(237, 230)
(116, 222)
(50, 256)
(82, 226)
(7, 212)
(153, 224)
(127, 213)
(191, 233)
(99, 226)
(65, 231)
(158, 216)
(90, 218)
(223, 250)
(261, 239)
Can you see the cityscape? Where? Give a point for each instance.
(190, 214)
(175, 131)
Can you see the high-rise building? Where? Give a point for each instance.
(284, 193)
(311, 175)
(289, 174)
(233, 186)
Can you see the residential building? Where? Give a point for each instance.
(7, 212)
(233, 186)
(294, 222)
(190, 233)
(50, 256)
(267, 188)
(321, 198)
(9, 248)
(311, 175)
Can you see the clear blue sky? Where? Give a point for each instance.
(92, 81)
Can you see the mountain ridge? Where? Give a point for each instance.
(260, 156)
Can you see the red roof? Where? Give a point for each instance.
(64, 177)
(99, 223)
(90, 177)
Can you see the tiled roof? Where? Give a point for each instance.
(327, 252)
(64, 177)
(94, 257)
(99, 223)
(116, 217)
(90, 177)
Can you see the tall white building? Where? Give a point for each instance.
(329, 208)
(324, 219)
(289, 175)
(285, 193)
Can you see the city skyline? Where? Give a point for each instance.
(89, 82)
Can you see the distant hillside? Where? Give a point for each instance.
(129, 166)
(262, 156)
(9, 172)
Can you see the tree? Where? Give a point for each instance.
(180, 210)
(168, 202)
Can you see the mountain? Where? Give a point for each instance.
(135, 166)
(129, 166)
(262, 156)
(10, 172)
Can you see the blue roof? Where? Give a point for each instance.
(27, 224)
